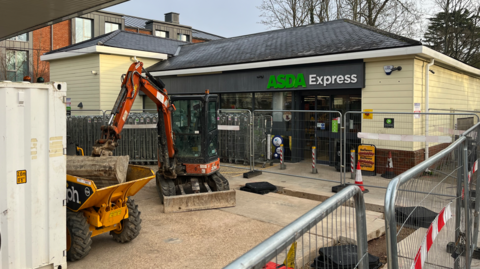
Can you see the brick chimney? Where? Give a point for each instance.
(172, 17)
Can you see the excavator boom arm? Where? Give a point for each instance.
(132, 83)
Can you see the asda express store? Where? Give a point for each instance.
(340, 65)
(330, 86)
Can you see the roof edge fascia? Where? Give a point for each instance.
(420, 50)
(103, 50)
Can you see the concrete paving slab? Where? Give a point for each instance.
(298, 181)
(283, 209)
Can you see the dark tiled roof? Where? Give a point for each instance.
(339, 36)
(128, 40)
(204, 35)
(137, 22)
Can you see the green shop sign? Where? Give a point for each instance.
(286, 81)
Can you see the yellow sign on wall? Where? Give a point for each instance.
(368, 116)
(21, 176)
(366, 157)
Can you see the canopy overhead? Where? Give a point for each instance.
(22, 16)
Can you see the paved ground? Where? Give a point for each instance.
(213, 238)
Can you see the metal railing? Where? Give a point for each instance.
(235, 136)
(448, 180)
(301, 131)
(401, 144)
(272, 247)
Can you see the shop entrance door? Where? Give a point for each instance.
(318, 127)
(317, 131)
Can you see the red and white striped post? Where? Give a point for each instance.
(314, 160)
(282, 164)
(352, 163)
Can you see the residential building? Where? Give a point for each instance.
(20, 56)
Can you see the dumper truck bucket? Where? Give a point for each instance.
(82, 193)
(199, 201)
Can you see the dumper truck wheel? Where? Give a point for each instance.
(164, 187)
(79, 237)
(131, 226)
(221, 183)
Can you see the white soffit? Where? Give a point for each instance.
(22, 16)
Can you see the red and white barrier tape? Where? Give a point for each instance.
(474, 169)
(432, 233)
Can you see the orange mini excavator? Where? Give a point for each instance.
(188, 176)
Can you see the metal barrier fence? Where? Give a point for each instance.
(139, 137)
(331, 235)
(431, 215)
(235, 134)
(390, 143)
(309, 137)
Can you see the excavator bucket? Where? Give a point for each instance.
(199, 201)
(189, 193)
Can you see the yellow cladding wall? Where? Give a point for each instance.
(82, 85)
(448, 90)
(388, 93)
(111, 69)
(149, 104)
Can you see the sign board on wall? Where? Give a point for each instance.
(335, 75)
(367, 116)
(416, 109)
(366, 158)
(388, 123)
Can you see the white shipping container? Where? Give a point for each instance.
(32, 175)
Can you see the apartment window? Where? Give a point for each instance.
(17, 65)
(83, 29)
(110, 27)
(183, 37)
(163, 34)
(22, 37)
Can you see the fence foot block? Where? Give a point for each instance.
(251, 174)
(338, 188)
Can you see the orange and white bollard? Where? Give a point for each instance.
(359, 179)
(352, 163)
(314, 160)
(282, 164)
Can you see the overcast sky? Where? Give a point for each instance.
(221, 17)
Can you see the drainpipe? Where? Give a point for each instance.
(426, 105)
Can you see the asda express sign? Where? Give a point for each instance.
(321, 76)
(290, 81)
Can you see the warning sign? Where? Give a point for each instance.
(366, 115)
(366, 158)
(21, 176)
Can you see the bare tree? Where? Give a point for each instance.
(397, 16)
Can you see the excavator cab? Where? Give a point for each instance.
(195, 130)
(198, 183)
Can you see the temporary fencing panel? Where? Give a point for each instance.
(299, 131)
(234, 142)
(331, 235)
(431, 214)
(138, 139)
(393, 142)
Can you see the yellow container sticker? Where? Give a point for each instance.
(21, 176)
